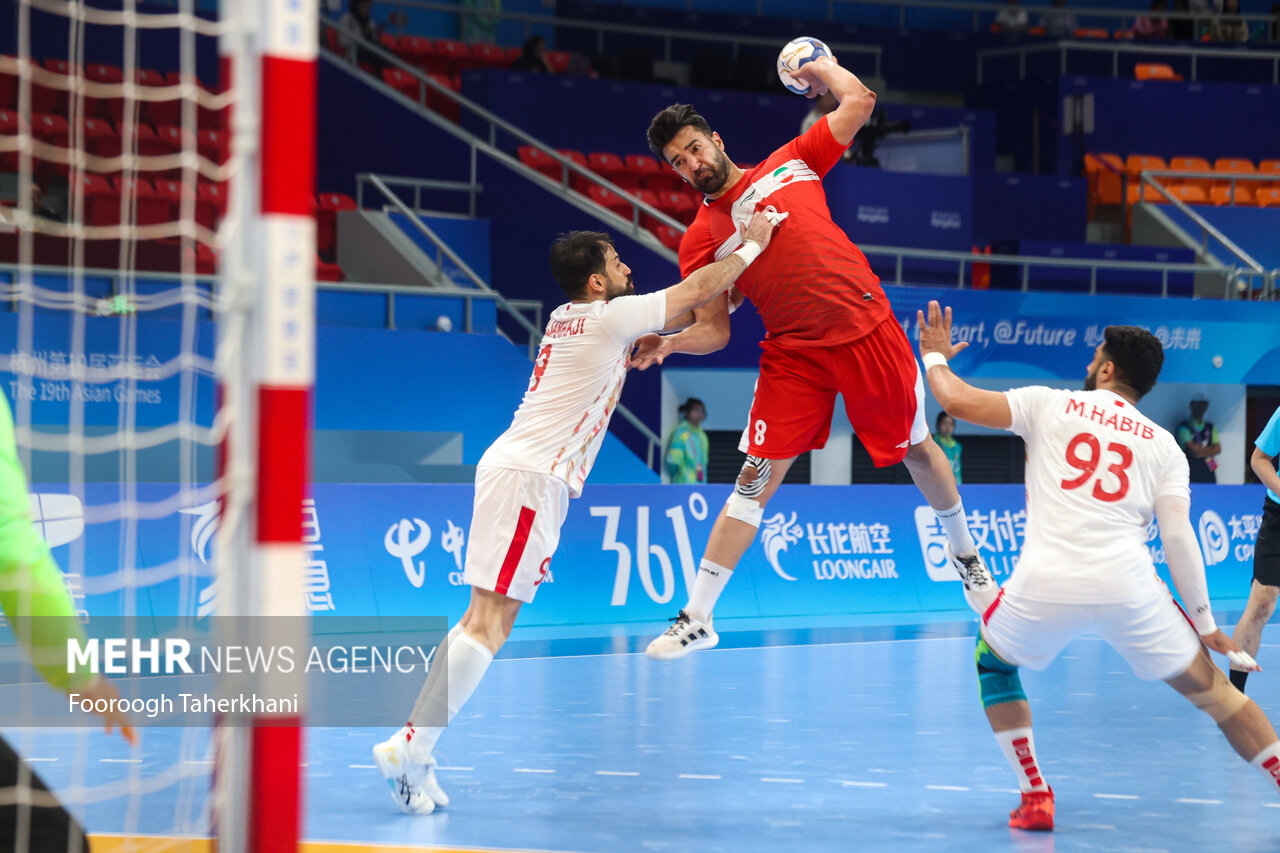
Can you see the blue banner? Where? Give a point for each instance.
(380, 553)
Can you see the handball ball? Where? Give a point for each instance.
(796, 53)
(444, 324)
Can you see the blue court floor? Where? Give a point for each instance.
(789, 738)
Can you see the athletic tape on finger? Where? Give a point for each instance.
(1242, 660)
(774, 217)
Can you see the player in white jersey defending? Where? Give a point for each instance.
(1097, 470)
(526, 477)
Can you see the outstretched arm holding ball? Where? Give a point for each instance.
(856, 101)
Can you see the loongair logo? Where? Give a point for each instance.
(873, 215)
(1215, 542)
(59, 518)
(404, 546)
(780, 532)
(944, 219)
(933, 540)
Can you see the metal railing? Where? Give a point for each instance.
(980, 15)
(1063, 47)
(669, 35)
(965, 261)
(419, 184)
(495, 124)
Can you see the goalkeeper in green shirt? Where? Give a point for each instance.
(39, 609)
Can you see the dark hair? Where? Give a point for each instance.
(937, 422)
(672, 120)
(1137, 355)
(577, 256)
(531, 45)
(689, 404)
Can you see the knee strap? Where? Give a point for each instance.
(998, 681)
(1221, 701)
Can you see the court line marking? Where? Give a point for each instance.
(946, 788)
(1117, 796)
(362, 767)
(617, 773)
(120, 760)
(965, 638)
(32, 760)
(781, 780)
(711, 776)
(533, 770)
(850, 784)
(111, 842)
(458, 769)
(1198, 802)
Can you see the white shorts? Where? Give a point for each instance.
(515, 528)
(1153, 634)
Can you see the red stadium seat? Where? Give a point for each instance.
(111, 109)
(48, 98)
(211, 204)
(455, 52)
(327, 207)
(212, 144)
(327, 271)
(668, 236)
(404, 83)
(558, 60)
(538, 159)
(101, 139)
(439, 102)
(608, 199)
(576, 179)
(489, 56)
(171, 192)
(642, 169)
(608, 166)
(678, 205)
(89, 187)
(651, 199)
(11, 124)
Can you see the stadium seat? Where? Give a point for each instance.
(677, 205)
(138, 197)
(1149, 194)
(650, 198)
(404, 83)
(558, 60)
(211, 203)
(327, 271)
(668, 236)
(9, 86)
(102, 140)
(1269, 197)
(1189, 194)
(608, 199)
(489, 56)
(388, 42)
(420, 51)
(169, 138)
(536, 158)
(1091, 33)
(111, 109)
(327, 207)
(454, 52)
(513, 53)
(1134, 164)
(89, 186)
(148, 141)
(1034, 31)
(1155, 71)
(10, 125)
(171, 192)
(641, 168)
(1270, 168)
(577, 180)
(51, 130)
(610, 167)
(1192, 164)
(212, 144)
(441, 103)
(1236, 165)
(333, 41)
(1220, 194)
(157, 113)
(1123, 34)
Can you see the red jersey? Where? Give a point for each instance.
(812, 286)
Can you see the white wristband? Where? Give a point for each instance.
(749, 252)
(933, 359)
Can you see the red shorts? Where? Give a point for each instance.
(795, 396)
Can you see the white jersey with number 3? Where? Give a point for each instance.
(577, 379)
(1095, 466)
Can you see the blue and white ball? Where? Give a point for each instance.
(794, 56)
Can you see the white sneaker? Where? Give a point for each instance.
(412, 784)
(687, 634)
(980, 588)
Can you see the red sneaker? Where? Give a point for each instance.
(1035, 813)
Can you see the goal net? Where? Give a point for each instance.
(157, 262)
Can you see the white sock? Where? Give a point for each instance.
(957, 529)
(1019, 748)
(443, 697)
(1268, 762)
(707, 587)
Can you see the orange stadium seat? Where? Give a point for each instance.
(1108, 173)
(1233, 164)
(1189, 194)
(1155, 71)
(1137, 163)
(1192, 164)
(1269, 197)
(1220, 194)
(1270, 168)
